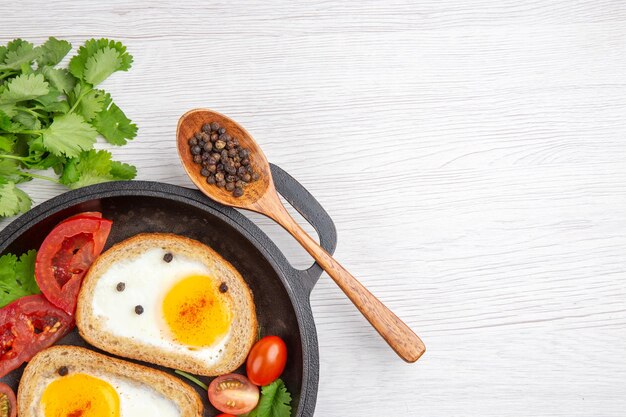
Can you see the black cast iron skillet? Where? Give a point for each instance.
(281, 292)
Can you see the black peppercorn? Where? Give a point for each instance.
(63, 371)
(120, 286)
(139, 310)
(224, 161)
(168, 257)
(230, 168)
(223, 287)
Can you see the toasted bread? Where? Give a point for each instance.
(243, 327)
(44, 368)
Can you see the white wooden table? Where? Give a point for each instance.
(471, 153)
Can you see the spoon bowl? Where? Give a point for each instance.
(261, 196)
(192, 122)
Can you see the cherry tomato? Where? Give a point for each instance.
(234, 394)
(29, 324)
(225, 415)
(266, 361)
(7, 396)
(65, 256)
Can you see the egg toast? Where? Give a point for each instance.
(168, 300)
(74, 381)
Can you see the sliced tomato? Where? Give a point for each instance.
(7, 401)
(85, 214)
(234, 394)
(10, 344)
(29, 324)
(65, 257)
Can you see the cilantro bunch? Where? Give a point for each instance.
(50, 117)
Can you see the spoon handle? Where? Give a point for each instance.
(395, 332)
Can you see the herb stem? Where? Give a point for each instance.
(83, 93)
(192, 379)
(17, 158)
(41, 177)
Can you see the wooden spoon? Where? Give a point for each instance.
(261, 196)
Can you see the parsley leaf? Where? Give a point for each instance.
(68, 135)
(91, 103)
(275, 401)
(91, 47)
(93, 167)
(102, 64)
(50, 116)
(13, 200)
(25, 87)
(113, 124)
(17, 277)
(53, 51)
(19, 52)
(59, 78)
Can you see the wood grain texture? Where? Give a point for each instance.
(494, 134)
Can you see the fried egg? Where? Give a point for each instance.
(169, 302)
(101, 395)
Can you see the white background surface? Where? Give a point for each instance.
(471, 153)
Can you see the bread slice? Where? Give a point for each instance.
(44, 368)
(243, 327)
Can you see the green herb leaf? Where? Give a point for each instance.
(9, 170)
(13, 200)
(122, 171)
(19, 52)
(25, 87)
(113, 124)
(94, 167)
(79, 62)
(17, 277)
(69, 135)
(275, 401)
(91, 103)
(59, 78)
(53, 51)
(102, 64)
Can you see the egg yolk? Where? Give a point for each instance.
(80, 395)
(196, 312)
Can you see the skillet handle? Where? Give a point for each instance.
(313, 212)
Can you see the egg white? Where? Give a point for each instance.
(148, 278)
(137, 399)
